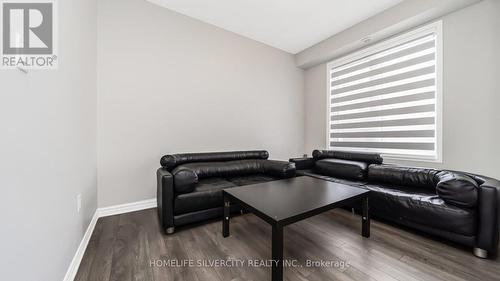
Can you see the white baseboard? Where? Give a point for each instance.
(77, 258)
(103, 212)
(127, 208)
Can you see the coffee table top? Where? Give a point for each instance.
(290, 200)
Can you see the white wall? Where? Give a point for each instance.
(471, 93)
(48, 153)
(168, 84)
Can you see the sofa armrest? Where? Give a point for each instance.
(305, 163)
(281, 169)
(165, 197)
(488, 214)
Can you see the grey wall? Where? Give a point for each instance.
(168, 83)
(471, 92)
(399, 18)
(48, 153)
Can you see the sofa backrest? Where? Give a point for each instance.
(174, 160)
(453, 187)
(186, 176)
(223, 169)
(340, 168)
(403, 176)
(344, 164)
(369, 158)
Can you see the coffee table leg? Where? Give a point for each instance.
(225, 221)
(277, 253)
(365, 217)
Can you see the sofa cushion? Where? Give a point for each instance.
(420, 207)
(311, 173)
(403, 176)
(207, 194)
(251, 179)
(457, 189)
(370, 158)
(342, 168)
(185, 179)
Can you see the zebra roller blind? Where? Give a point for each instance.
(386, 98)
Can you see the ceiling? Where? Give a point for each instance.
(289, 25)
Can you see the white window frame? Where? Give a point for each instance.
(437, 28)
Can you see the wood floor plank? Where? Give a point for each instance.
(123, 248)
(101, 255)
(142, 269)
(176, 250)
(441, 256)
(157, 249)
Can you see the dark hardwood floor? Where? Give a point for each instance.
(123, 247)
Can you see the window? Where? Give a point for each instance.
(387, 98)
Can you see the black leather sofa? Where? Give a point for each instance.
(457, 206)
(189, 186)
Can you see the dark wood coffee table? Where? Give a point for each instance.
(284, 202)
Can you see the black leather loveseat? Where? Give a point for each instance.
(457, 206)
(190, 185)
